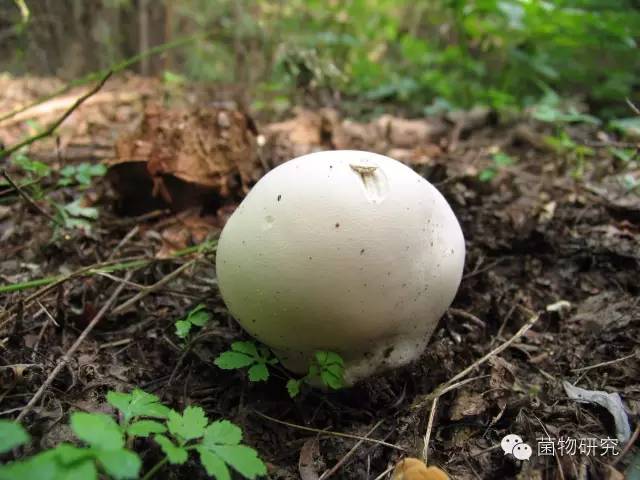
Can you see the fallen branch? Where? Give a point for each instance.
(328, 432)
(67, 356)
(152, 288)
(457, 381)
(29, 200)
(54, 126)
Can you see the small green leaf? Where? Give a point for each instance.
(183, 327)
(188, 426)
(248, 348)
(98, 430)
(143, 428)
(68, 171)
(487, 175)
(12, 435)
(242, 458)
(42, 466)
(119, 400)
(233, 360)
(176, 455)
(332, 379)
(293, 387)
(68, 454)
(222, 432)
(137, 404)
(502, 159)
(85, 470)
(120, 464)
(199, 318)
(76, 210)
(213, 464)
(258, 373)
(326, 358)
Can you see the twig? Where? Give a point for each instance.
(132, 233)
(385, 473)
(27, 198)
(54, 126)
(450, 384)
(67, 356)
(346, 457)
(469, 316)
(48, 283)
(328, 432)
(604, 364)
(632, 106)
(427, 435)
(152, 288)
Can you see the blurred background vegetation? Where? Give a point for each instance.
(422, 56)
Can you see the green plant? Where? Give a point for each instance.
(34, 171)
(80, 174)
(575, 153)
(326, 367)
(218, 443)
(197, 316)
(625, 155)
(248, 355)
(500, 161)
(74, 215)
(104, 451)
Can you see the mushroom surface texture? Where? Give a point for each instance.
(345, 251)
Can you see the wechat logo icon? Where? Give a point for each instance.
(513, 445)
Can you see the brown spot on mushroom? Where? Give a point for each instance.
(362, 251)
(279, 197)
(337, 225)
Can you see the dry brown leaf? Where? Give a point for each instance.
(467, 404)
(183, 156)
(188, 228)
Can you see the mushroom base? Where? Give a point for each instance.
(387, 355)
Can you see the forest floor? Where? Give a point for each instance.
(553, 235)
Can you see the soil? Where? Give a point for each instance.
(554, 236)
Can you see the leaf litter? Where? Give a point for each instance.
(537, 235)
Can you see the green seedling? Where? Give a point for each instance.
(256, 358)
(500, 161)
(625, 155)
(74, 215)
(326, 367)
(198, 317)
(105, 455)
(576, 153)
(80, 174)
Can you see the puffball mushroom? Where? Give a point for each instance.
(345, 251)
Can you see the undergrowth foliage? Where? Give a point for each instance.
(104, 453)
(326, 368)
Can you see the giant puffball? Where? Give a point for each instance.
(344, 251)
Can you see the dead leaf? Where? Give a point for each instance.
(306, 464)
(184, 158)
(467, 404)
(186, 229)
(611, 401)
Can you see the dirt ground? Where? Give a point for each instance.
(553, 236)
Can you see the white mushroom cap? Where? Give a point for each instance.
(346, 251)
